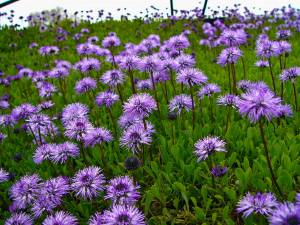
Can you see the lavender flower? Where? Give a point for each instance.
(85, 84)
(180, 102)
(285, 213)
(88, 182)
(106, 98)
(260, 203)
(121, 190)
(61, 218)
(97, 136)
(19, 219)
(121, 214)
(208, 145)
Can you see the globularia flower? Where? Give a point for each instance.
(111, 41)
(85, 84)
(61, 152)
(96, 219)
(257, 103)
(122, 190)
(180, 102)
(97, 136)
(19, 219)
(229, 56)
(144, 84)
(140, 105)
(191, 76)
(73, 112)
(290, 74)
(106, 98)
(77, 129)
(219, 171)
(4, 176)
(262, 63)
(112, 78)
(184, 61)
(285, 214)
(58, 72)
(129, 62)
(122, 214)
(43, 152)
(227, 100)
(260, 203)
(60, 218)
(23, 111)
(87, 65)
(208, 90)
(88, 182)
(24, 191)
(208, 145)
(136, 135)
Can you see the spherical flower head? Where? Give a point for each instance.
(178, 42)
(112, 78)
(4, 176)
(96, 219)
(43, 152)
(229, 56)
(19, 218)
(41, 124)
(107, 99)
(62, 152)
(87, 65)
(260, 203)
(111, 41)
(180, 102)
(126, 120)
(227, 100)
(285, 213)
(60, 218)
(136, 135)
(208, 145)
(219, 171)
(4, 104)
(25, 191)
(129, 62)
(122, 190)
(150, 64)
(261, 63)
(123, 215)
(266, 49)
(281, 47)
(46, 89)
(73, 112)
(86, 84)
(208, 90)
(88, 182)
(246, 85)
(233, 37)
(191, 77)
(184, 61)
(58, 72)
(290, 74)
(257, 104)
(23, 111)
(77, 129)
(97, 136)
(144, 84)
(283, 34)
(140, 105)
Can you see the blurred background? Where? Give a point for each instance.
(131, 8)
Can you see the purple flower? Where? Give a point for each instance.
(219, 171)
(61, 152)
(178, 42)
(73, 112)
(290, 74)
(58, 72)
(208, 145)
(111, 41)
(4, 176)
(180, 102)
(97, 136)
(229, 56)
(25, 191)
(144, 84)
(260, 203)
(23, 111)
(77, 129)
(46, 89)
(60, 218)
(129, 62)
(87, 65)
(48, 50)
(227, 100)
(122, 214)
(41, 125)
(19, 219)
(88, 182)
(266, 49)
(285, 214)
(2, 137)
(233, 37)
(121, 190)
(208, 90)
(184, 62)
(136, 135)
(127, 120)
(85, 84)
(150, 64)
(43, 152)
(191, 77)
(258, 103)
(96, 219)
(140, 105)
(106, 98)
(4, 104)
(112, 78)
(45, 105)
(262, 63)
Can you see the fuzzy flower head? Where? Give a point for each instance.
(107, 99)
(227, 100)
(4, 176)
(78, 129)
(140, 105)
(261, 63)
(96, 219)
(123, 215)
(229, 56)
(97, 136)
(73, 112)
(112, 78)
(137, 135)
(111, 41)
(121, 190)
(62, 152)
(208, 145)
(60, 218)
(19, 219)
(180, 102)
(290, 74)
(208, 90)
(285, 214)
(85, 84)
(257, 104)
(88, 182)
(260, 203)
(191, 77)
